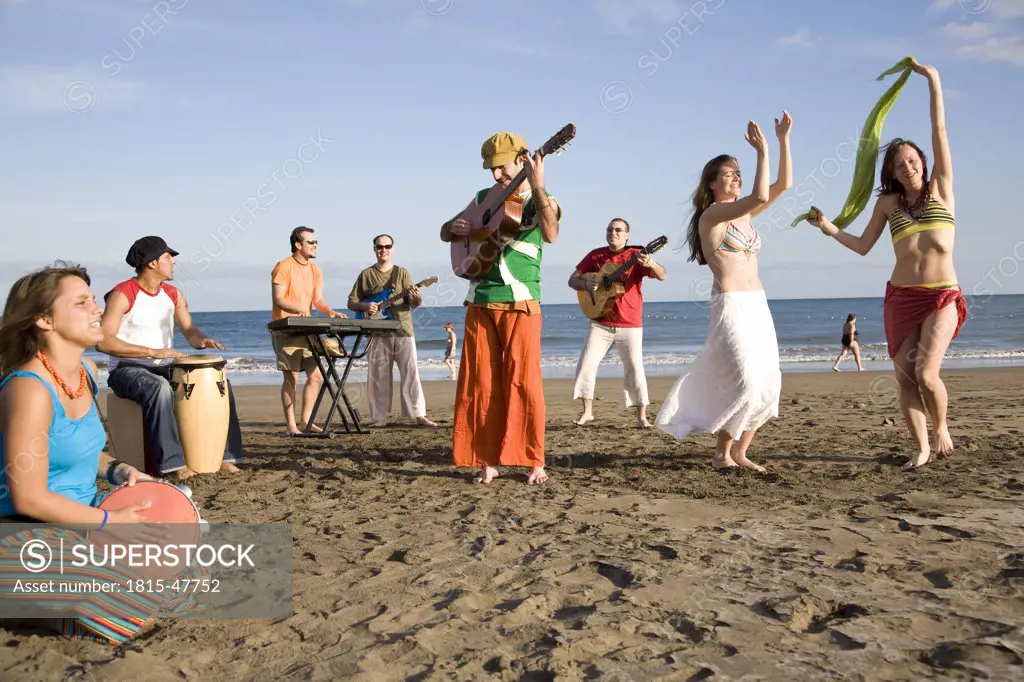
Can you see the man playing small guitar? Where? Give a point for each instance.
(373, 286)
(622, 325)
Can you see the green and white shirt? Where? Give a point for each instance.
(516, 275)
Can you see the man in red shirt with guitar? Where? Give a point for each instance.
(385, 290)
(609, 282)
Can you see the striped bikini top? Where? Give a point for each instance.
(935, 217)
(737, 242)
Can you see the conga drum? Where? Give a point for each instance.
(203, 409)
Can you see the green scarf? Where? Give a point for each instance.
(864, 170)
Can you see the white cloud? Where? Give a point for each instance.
(798, 39)
(41, 89)
(973, 31)
(1001, 9)
(622, 14)
(995, 50)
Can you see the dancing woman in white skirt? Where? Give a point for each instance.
(733, 386)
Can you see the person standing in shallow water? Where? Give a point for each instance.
(733, 386)
(924, 306)
(849, 341)
(449, 351)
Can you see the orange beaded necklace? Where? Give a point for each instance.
(60, 382)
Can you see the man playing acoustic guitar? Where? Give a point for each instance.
(499, 398)
(373, 286)
(621, 325)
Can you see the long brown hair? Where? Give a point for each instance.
(889, 183)
(31, 297)
(702, 198)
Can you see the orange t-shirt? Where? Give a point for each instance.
(300, 281)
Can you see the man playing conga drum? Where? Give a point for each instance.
(138, 336)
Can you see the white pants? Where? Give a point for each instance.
(629, 342)
(384, 352)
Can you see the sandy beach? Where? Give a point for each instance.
(636, 561)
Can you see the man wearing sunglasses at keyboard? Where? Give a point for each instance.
(298, 287)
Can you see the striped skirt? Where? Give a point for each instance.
(108, 617)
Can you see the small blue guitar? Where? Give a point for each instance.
(387, 299)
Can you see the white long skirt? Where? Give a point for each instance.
(735, 382)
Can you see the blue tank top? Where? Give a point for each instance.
(74, 451)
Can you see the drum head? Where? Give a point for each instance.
(168, 503)
(200, 361)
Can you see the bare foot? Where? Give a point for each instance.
(584, 418)
(295, 431)
(423, 421)
(722, 462)
(537, 475)
(835, 369)
(918, 460)
(943, 443)
(229, 467)
(643, 424)
(741, 460)
(487, 474)
(184, 474)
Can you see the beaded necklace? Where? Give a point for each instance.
(60, 382)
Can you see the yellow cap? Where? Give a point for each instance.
(501, 148)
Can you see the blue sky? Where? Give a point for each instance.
(124, 118)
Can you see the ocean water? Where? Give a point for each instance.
(808, 331)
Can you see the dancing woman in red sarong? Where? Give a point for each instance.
(924, 305)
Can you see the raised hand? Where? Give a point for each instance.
(535, 172)
(782, 127)
(817, 218)
(755, 138)
(924, 69)
(210, 343)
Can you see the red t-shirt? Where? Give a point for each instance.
(628, 309)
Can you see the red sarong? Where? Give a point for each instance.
(907, 307)
(499, 400)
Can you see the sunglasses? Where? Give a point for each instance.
(312, 243)
(383, 246)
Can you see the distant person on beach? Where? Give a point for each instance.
(373, 286)
(924, 306)
(499, 401)
(622, 325)
(138, 338)
(849, 342)
(297, 286)
(450, 348)
(733, 386)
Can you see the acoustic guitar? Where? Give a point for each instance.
(497, 218)
(597, 304)
(387, 299)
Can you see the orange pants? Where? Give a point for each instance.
(499, 401)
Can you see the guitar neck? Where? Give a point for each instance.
(619, 271)
(505, 194)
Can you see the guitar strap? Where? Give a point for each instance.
(392, 281)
